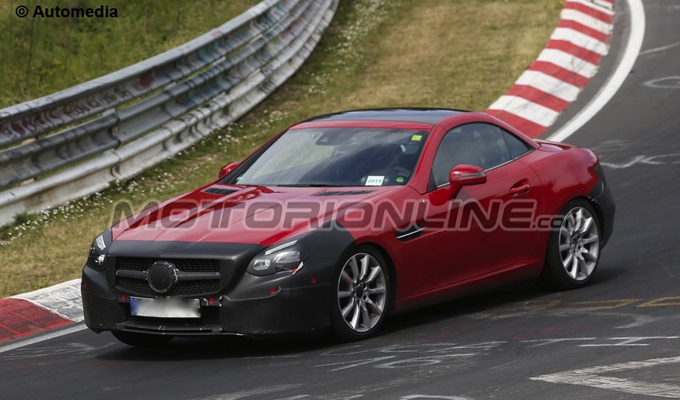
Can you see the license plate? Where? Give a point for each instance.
(165, 307)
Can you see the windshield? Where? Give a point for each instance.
(337, 157)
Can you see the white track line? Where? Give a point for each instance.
(657, 49)
(549, 84)
(593, 6)
(615, 81)
(593, 377)
(41, 338)
(580, 39)
(605, 4)
(586, 20)
(526, 109)
(568, 61)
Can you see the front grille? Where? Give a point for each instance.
(181, 288)
(135, 286)
(183, 264)
(190, 288)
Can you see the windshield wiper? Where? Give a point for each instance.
(306, 185)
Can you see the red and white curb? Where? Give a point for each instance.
(562, 69)
(41, 310)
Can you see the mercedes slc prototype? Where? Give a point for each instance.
(344, 219)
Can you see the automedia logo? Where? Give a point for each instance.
(103, 11)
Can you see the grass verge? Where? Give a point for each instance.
(45, 55)
(376, 53)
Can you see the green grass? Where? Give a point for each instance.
(41, 56)
(430, 53)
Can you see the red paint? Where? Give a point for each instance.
(531, 128)
(539, 97)
(580, 52)
(19, 318)
(560, 73)
(499, 256)
(595, 34)
(227, 169)
(601, 15)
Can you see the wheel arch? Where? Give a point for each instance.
(599, 213)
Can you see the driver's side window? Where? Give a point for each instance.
(480, 144)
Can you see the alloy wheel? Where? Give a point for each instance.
(579, 243)
(362, 292)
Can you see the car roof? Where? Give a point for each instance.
(421, 115)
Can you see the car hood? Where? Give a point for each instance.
(244, 214)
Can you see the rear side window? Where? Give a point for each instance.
(516, 147)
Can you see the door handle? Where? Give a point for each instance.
(520, 188)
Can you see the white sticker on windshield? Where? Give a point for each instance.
(375, 180)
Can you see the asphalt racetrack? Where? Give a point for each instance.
(616, 339)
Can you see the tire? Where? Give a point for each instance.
(360, 295)
(141, 339)
(573, 252)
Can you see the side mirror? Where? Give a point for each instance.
(228, 168)
(465, 175)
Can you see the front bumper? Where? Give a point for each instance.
(288, 310)
(236, 304)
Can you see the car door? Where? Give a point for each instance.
(487, 225)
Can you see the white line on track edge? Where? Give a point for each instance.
(612, 85)
(41, 338)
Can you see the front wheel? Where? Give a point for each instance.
(141, 340)
(574, 250)
(360, 296)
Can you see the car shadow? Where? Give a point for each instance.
(230, 347)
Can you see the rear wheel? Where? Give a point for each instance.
(141, 340)
(360, 296)
(574, 249)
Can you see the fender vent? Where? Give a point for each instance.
(343, 193)
(223, 192)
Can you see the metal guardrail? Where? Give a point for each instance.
(114, 127)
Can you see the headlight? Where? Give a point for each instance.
(99, 249)
(277, 259)
(287, 257)
(99, 242)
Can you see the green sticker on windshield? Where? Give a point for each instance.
(400, 179)
(416, 138)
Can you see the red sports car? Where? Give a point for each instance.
(344, 219)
